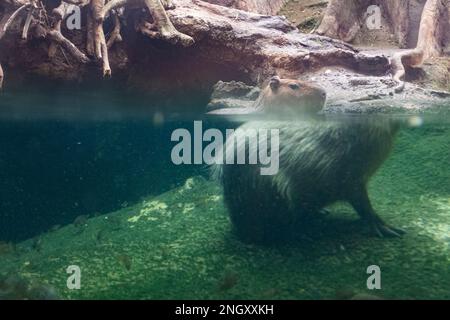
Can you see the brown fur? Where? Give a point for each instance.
(289, 97)
(320, 162)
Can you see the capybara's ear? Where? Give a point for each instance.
(275, 82)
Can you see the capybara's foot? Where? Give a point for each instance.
(362, 205)
(383, 230)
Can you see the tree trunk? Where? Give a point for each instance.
(433, 27)
(343, 19)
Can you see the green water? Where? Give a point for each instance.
(179, 244)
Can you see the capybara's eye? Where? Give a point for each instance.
(294, 86)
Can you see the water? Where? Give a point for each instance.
(98, 190)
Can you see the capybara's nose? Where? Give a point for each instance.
(323, 93)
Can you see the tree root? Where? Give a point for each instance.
(163, 25)
(161, 28)
(13, 16)
(342, 20)
(90, 45)
(429, 44)
(4, 27)
(400, 60)
(100, 46)
(113, 4)
(115, 34)
(27, 24)
(58, 38)
(98, 11)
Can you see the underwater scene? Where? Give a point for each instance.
(224, 150)
(102, 196)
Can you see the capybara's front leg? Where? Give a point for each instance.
(361, 203)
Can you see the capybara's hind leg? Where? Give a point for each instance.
(361, 203)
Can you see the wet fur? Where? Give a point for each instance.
(321, 162)
(279, 99)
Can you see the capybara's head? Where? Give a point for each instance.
(289, 97)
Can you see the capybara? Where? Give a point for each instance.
(320, 162)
